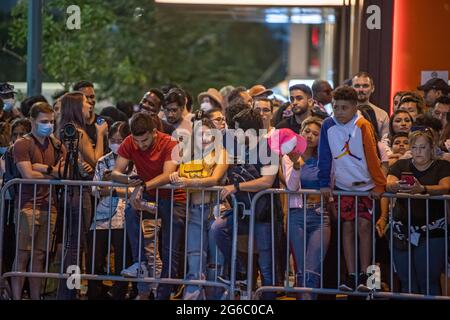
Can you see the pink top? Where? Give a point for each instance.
(292, 178)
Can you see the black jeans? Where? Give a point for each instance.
(100, 263)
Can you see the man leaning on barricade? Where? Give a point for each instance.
(38, 155)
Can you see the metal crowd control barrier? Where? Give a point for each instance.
(407, 293)
(67, 187)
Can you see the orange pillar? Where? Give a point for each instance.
(421, 41)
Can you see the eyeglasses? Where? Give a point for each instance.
(171, 110)
(263, 110)
(295, 98)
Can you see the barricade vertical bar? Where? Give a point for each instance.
(48, 229)
(94, 232)
(304, 240)
(409, 245)
(64, 240)
(427, 217)
(356, 242)
(171, 233)
(373, 230)
(446, 247)
(322, 212)
(201, 233)
(109, 229)
(391, 244)
(124, 243)
(339, 242)
(272, 238)
(80, 206)
(288, 224)
(234, 252)
(19, 215)
(186, 233)
(251, 239)
(33, 227)
(156, 232)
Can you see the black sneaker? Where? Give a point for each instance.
(362, 280)
(349, 283)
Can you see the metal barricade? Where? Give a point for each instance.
(74, 240)
(370, 289)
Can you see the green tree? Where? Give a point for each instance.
(129, 46)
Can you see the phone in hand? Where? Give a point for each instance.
(100, 121)
(408, 178)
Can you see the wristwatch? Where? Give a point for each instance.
(49, 170)
(236, 186)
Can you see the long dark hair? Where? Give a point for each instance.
(391, 121)
(72, 110)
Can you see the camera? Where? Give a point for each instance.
(69, 132)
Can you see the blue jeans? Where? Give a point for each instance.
(197, 249)
(222, 229)
(297, 236)
(148, 253)
(172, 245)
(419, 266)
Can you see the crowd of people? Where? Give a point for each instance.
(321, 139)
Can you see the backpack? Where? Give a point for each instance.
(11, 170)
(244, 173)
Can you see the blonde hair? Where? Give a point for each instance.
(311, 120)
(428, 134)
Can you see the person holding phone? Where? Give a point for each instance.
(422, 174)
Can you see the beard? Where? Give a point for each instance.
(363, 97)
(298, 111)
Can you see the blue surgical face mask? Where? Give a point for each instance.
(8, 104)
(3, 150)
(44, 129)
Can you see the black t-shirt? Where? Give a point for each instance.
(437, 171)
(92, 134)
(92, 131)
(290, 123)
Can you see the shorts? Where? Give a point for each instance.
(40, 234)
(348, 207)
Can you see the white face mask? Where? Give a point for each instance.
(206, 106)
(114, 147)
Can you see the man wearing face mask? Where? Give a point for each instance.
(8, 112)
(37, 156)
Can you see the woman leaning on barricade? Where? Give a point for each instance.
(421, 174)
(202, 166)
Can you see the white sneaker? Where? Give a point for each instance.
(135, 271)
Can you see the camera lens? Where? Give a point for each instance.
(69, 131)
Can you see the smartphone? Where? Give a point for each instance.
(100, 121)
(408, 178)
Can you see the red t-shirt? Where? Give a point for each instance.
(150, 163)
